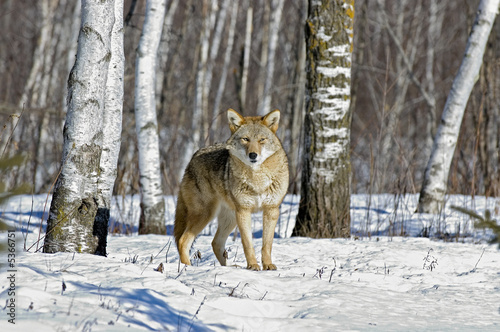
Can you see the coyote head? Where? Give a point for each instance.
(253, 138)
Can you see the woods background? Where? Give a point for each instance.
(406, 55)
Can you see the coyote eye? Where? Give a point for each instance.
(245, 139)
(262, 140)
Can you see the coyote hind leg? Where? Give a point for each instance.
(226, 224)
(194, 222)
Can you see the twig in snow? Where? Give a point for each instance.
(333, 270)
(152, 258)
(183, 269)
(475, 266)
(197, 311)
(319, 272)
(430, 261)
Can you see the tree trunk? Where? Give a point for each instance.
(298, 104)
(436, 173)
(152, 219)
(436, 17)
(111, 136)
(489, 116)
(325, 189)
(265, 102)
(71, 226)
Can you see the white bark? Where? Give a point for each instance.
(277, 9)
(152, 202)
(112, 123)
(73, 207)
(325, 189)
(437, 170)
(331, 106)
(47, 94)
(74, 30)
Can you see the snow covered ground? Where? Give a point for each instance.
(385, 278)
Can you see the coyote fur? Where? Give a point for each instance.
(249, 173)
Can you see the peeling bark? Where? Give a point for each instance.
(325, 188)
(79, 211)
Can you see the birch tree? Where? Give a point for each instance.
(76, 220)
(436, 173)
(277, 9)
(152, 219)
(325, 188)
(112, 129)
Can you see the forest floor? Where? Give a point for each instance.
(386, 277)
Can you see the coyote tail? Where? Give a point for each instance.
(180, 219)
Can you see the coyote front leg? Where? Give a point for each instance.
(270, 218)
(243, 219)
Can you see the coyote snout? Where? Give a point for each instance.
(247, 174)
(253, 157)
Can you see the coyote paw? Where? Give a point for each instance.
(269, 267)
(253, 267)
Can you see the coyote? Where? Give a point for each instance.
(249, 173)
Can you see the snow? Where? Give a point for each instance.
(372, 281)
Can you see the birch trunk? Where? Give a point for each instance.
(325, 189)
(112, 125)
(70, 226)
(152, 218)
(265, 102)
(48, 93)
(436, 173)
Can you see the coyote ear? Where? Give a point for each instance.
(235, 120)
(271, 120)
